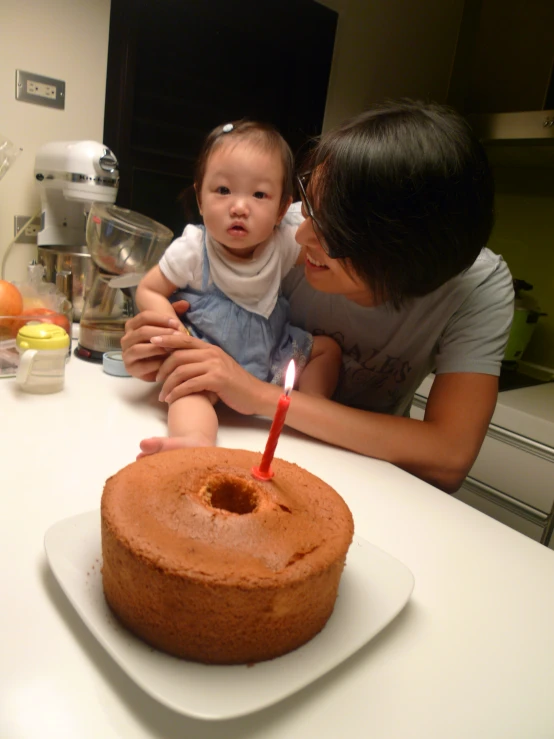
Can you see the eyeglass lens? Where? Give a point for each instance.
(303, 181)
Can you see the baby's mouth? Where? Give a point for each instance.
(237, 228)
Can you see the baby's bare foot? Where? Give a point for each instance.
(166, 443)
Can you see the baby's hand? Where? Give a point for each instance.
(180, 307)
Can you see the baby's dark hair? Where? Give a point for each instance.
(405, 192)
(261, 135)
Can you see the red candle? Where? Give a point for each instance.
(264, 471)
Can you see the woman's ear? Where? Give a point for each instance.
(283, 211)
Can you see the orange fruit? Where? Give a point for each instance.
(11, 303)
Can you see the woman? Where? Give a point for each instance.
(397, 207)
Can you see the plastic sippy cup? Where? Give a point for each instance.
(43, 349)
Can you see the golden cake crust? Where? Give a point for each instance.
(207, 563)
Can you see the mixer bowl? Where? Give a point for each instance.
(76, 260)
(122, 241)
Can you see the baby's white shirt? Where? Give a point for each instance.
(253, 283)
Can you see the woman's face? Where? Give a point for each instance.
(329, 275)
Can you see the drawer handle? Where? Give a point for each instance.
(534, 515)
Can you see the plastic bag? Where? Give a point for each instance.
(42, 303)
(8, 154)
(36, 293)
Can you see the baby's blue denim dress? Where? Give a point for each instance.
(263, 346)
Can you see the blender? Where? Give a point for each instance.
(123, 246)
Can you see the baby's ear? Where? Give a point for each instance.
(283, 211)
(198, 198)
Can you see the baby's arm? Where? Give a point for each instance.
(153, 292)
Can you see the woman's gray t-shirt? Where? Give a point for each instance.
(461, 327)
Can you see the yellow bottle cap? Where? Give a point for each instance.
(42, 336)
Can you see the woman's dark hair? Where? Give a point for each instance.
(261, 135)
(405, 192)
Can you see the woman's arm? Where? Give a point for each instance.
(440, 449)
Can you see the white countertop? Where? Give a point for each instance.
(471, 656)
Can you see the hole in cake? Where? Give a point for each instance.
(230, 494)
(284, 508)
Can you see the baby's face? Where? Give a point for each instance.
(240, 198)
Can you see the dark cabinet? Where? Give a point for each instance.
(177, 68)
(502, 76)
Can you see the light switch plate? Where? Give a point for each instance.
(34, 88)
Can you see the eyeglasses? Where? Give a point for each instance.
(302, 181)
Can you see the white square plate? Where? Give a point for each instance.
(374, 588)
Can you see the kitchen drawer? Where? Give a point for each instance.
(506, 509)
(521, 468)
(518, 471)
(469, 495)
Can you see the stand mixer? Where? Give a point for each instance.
(106, 248)
(123, 245)
(71, 175)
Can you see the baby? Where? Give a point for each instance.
(230, 271)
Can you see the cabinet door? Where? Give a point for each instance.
(177, 69)
(504, 57)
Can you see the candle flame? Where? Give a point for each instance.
(289, 378)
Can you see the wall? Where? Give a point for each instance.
(67, 40)
(390, 49)
(394, 48)
(384, 49)
(524, 235)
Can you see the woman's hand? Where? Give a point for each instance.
(143, 359)
(193, 366)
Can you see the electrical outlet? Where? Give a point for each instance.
(34, 88)
(29, 235)
(43, 91)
